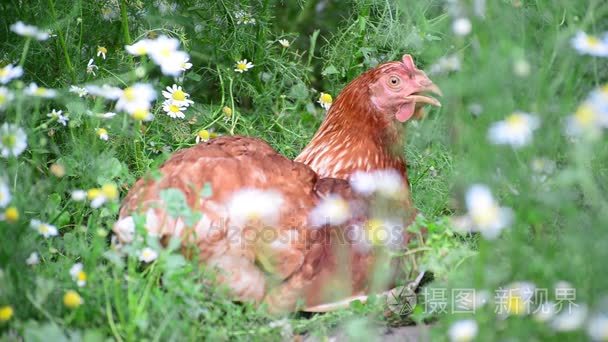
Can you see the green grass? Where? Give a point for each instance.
(559, 231)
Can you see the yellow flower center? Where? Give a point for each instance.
(102, 132)
(585, 115)
(516, 305)
(326, 98)
(593, 41)
(516, 120)
(72, 299)
(41, 91)
(94, 193)
(43, 228)
(11, 214)
(102, 49)
(140, 114)
(227, 111)
(81, 276)
(110, 191)
(241, 66)
(6, 313)
(3, 72)
(204, 134)
(179, 95)
(9, 140)
(165, 52)
(378, 235)
(2, 99)
(141, 50)
(486, 216)
(173, 108)
(129, 94)
(604, 90)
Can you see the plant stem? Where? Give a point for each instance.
(124, 22)
(62, 42)
(26, 48)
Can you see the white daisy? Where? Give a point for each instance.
(484, 213)
(325, 100)
(13, 140)
(174, 110)
(82, 92)
(10, 72)
(462, 26)
(6, 96)
(332, 210)
(254, 204)
(148, 255)
(91, 67)
(102, 133)
(387, 182)
(107, 115)
(106, 91)
(202, 135)
(101, 51)
(5, 194)
(446, 64)
(177, 95)
(463, 330)
(244, 18)
(597, 327)
(186, 65)
(516, 130)
(140, 48)
(591, 116)
(164, 52)
(33, 259)
(34, 90)
(590, 45)
(45, 229)
(58, 115)
(78, 274)
(284, 43)
(243, 65)
(570, 318)
(29, 31)
(387, 232)
(136, 97)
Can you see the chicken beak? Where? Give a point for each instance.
(418, 98)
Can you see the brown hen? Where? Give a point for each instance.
(282, 256)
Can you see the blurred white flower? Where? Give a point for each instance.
(148, 255)
(462, 26)
(463, 330)
(107, 115)
(91, 67)
(186, 65)
(106, 91)
(521, 67)
(484, 214)
(29, 31)
(34, 90)
(177, 96)
(597, 327)
(387, 232)
(174, 110)
(244, 18)
(13, 140)
(140, 48)
(472, 300)
(325, 100)
(78, 195)
(58, 115)
(545, 311)
(5, 194)
(78, 274)
(136, 97)
(82, 92)
(101, 51)
(332, 210)
(32, 259)
(243, 65)
(45, 229)
(10, 72)
(284, 43)
(516, 130)
(102, 133)
(570, 318)
(515, 299)
(445, 65)
(590, 45)
(6, 96)
(591, 116)
(253, 204)
(387, 182)
(125, 229)
(164, 52)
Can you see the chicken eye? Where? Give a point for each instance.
(394, 81)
